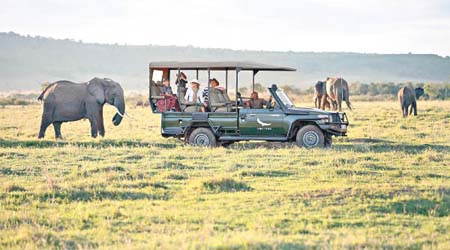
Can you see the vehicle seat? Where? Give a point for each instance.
(191, 108)
(156, 93)
(217, 100)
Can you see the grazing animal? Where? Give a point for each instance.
(408, 97)
(337, 91)
(66, 101)
(142, 103)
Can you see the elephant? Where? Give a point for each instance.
(319, 93)
(66, 101)
(336, 90)
(407, 97)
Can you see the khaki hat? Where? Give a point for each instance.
(195, 81)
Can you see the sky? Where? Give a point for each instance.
(367, 26)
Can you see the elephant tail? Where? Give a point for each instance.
(41, 96)
(347, 99)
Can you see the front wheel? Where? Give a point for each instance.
(310, 136)
(203, 137)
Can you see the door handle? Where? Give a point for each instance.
(251, 114)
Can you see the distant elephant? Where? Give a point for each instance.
(319, 93)
(66, 101)
(337, 91)
(407, 97)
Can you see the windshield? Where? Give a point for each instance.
(284, 98)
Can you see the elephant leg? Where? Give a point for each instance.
(101, 125)
(414, 105)
(94, 127)
(57, 128)
(323, 101)
(340, 105)
(45, 122)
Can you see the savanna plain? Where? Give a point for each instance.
(384, 186)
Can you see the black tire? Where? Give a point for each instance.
(328, 140)
(203, 137)
(310, 136)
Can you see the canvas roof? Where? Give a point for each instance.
(219, 65)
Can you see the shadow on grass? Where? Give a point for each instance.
(226, 185)
(266, 246)
(381, 148)
(421, 206)
(103, 143)
(67, 196)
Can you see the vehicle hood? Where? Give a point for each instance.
(308, 111)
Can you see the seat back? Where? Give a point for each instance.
(156, 91)
(215, 96)
(191, 109)
(225, 96)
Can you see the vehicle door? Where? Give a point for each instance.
(262, 122)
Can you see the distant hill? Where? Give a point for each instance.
(26, 62)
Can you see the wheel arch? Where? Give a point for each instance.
(296, 125)
(200, 124)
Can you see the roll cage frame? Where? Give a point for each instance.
(236, 66)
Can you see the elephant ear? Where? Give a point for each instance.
(95, 88)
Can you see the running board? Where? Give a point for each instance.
(252, 138)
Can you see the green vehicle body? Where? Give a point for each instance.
(253, 124)
(281, 123)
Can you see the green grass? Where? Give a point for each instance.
(385, 186)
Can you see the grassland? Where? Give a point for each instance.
(385, 186)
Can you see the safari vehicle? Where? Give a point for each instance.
(230, 120)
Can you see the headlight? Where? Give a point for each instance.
(324, 118)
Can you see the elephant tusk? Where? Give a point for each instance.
(123, 115)
(118, 112)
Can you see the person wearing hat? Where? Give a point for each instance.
(192, 93)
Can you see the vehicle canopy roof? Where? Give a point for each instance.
(217, 65)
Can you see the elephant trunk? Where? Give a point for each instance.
(119, 103)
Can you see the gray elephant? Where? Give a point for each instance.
(337, 91)
(319, 92)
(66, 101)
(408, 97)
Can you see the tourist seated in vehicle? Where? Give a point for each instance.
(257, 103)
(214, 84)
(166, 89)
(170, 101)
(193, 99)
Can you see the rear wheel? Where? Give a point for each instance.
(310, 136)
(203, 137)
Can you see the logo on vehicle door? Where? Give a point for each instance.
(262, 123)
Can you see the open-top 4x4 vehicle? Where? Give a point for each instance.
(227, 121)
